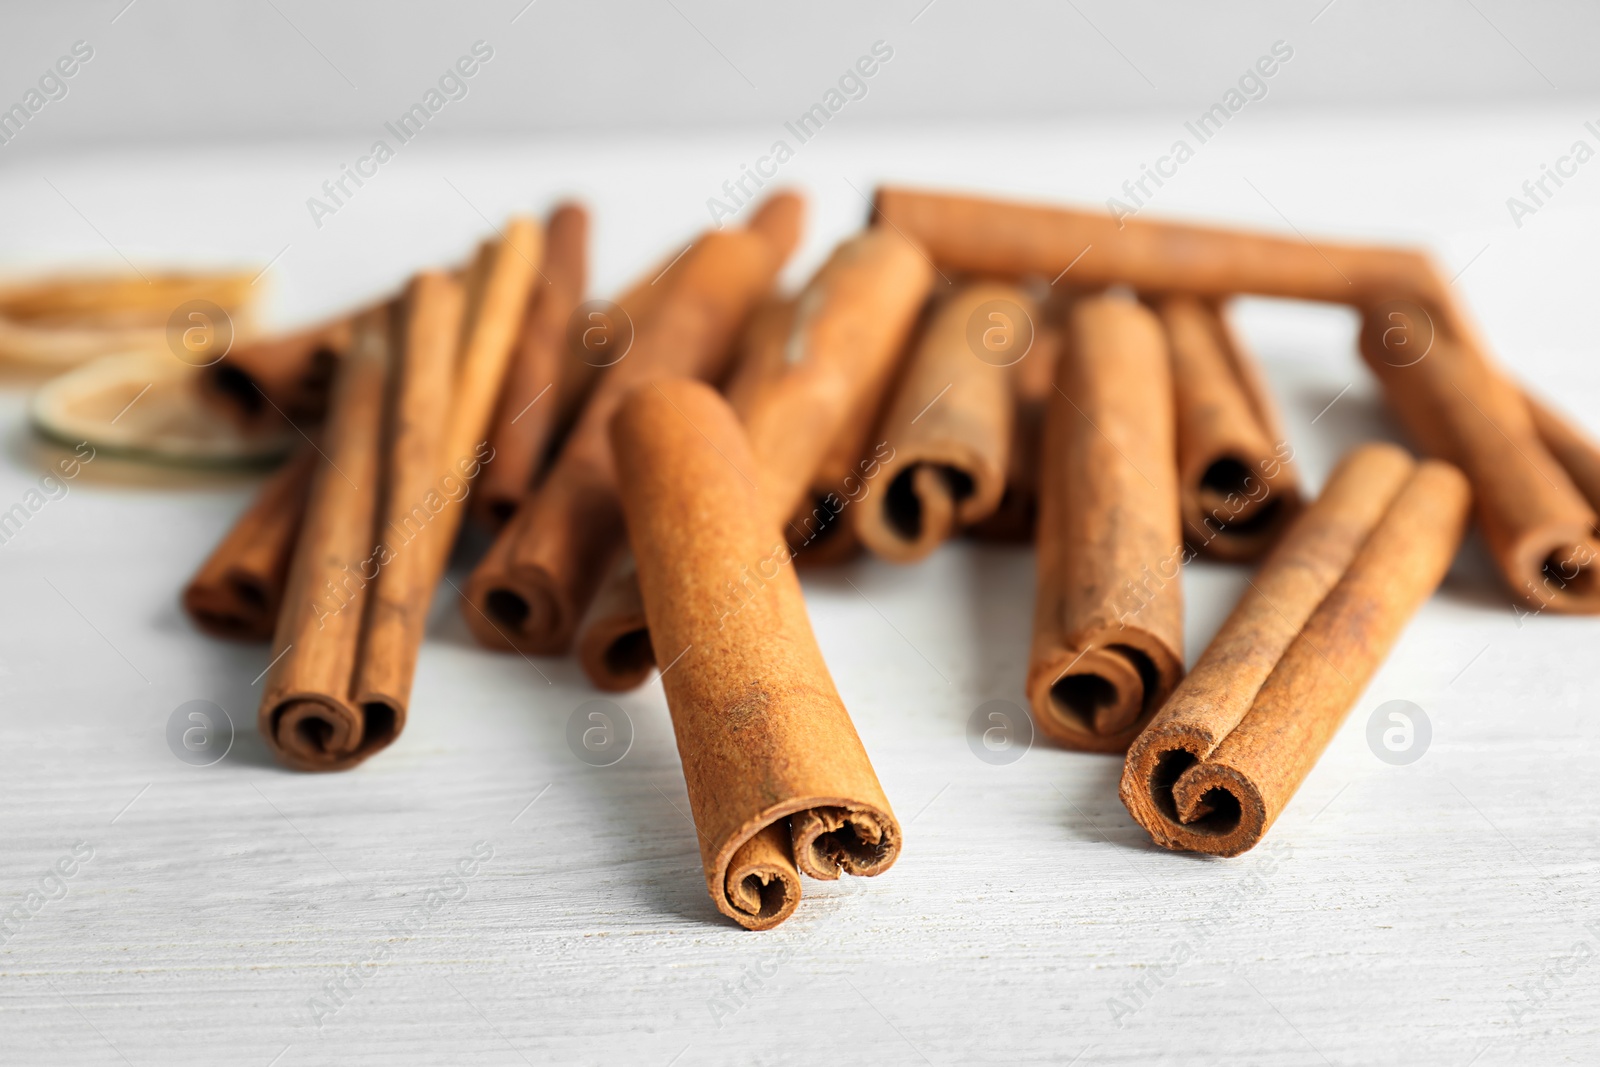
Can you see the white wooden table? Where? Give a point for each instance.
(1440, 912)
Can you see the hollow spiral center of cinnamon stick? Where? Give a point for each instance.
(1105, 690)
(830, 840)
(762, 893)
(318, 735)
(630, 652)
(525, 611)
(1571, 571)
(1231, 497)
(1211, 809)
(239, 387)
(922, 500)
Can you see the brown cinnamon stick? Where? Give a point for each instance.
(532, 587)
(368, 555)
(529, 408)
(1108, 618)
(1000, 238)
(613, 640)
(1032, 385)
(807, 364)
(1572, 447)
(306, 714)
(778, 780)
(281, 377)
(237, 590)
(1237, 484)
(1460, 407)
(950, 423)
(1224, 756)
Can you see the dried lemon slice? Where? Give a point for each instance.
(67, 320)
(149, 407)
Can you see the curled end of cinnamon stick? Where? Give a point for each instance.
(1189, 804)
(1233, 512)
(613, 644)
(1098, 698)
(855, 841)
(239, 607)
(762, 886)
(616, 653)
(281, 377)
(524, 615)
(311, 733)
(920, 511)
(1559, 569)
(826, 838)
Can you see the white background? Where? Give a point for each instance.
(1396, 914)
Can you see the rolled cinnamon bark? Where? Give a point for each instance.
(368, 555)
(531, 589)
(1001, 238)
(1108, 618)
(613, 640)
(778, 780)
(1458, 406)
(950, 423)
(1237, 485)
(1224, 756)
(529, 408)
(1574, 449)
(806, 365)
(822, 530)
(237, 590)
(498, 288)
(1032, 386)
(306, 715)
(286, 376)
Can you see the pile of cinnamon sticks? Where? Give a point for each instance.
(654, 467)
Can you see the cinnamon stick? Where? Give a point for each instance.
(999, 238)
(1572, 447)
(281, 377)
(530, 590)
(237, 590)
(613, 640)
(1237, 485)
(1224, 756)
(1108, 618)
(306, 714)
(367, 559)
(1032, 385)
(530, 404)
(807, 364)
(778, 780)
(1458, 406)
(950, 423)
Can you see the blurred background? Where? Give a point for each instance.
(201, 133)
(191, 73)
